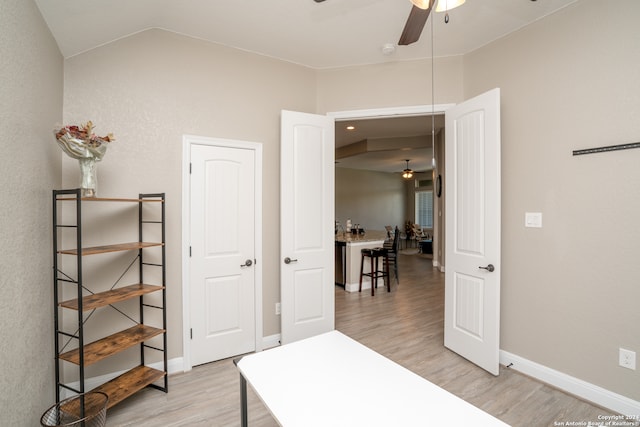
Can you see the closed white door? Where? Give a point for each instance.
(222, 235)
(306, 225)
(472, 277)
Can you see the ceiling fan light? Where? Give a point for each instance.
(445, 5)
(422, 4)
(407, 173)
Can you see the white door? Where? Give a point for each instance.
(222, 236)
(306, 225)
(472, 277)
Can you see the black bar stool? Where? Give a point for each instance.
(374, 254)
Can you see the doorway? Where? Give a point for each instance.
(394, 136)
(472, 299)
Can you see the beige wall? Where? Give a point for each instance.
(153, 87)
(371, 199)
(31, 94)
(570, 291)
(394, 84)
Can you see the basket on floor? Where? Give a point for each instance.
(83, 410)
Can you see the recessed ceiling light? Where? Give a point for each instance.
(350, 127)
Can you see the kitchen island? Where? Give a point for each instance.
(348, 258)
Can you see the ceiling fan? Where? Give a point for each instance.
(408, 173)
(419, 15)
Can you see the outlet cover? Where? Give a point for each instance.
(627, 359)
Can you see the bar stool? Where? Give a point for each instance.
(374, 254)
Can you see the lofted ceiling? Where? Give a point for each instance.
(333, 33)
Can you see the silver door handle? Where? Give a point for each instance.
(247, 263)
(288, 260)
(489, 268)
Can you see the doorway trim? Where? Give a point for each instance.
(386, 112)
(187, 142)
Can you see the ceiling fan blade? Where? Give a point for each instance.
(415, 23)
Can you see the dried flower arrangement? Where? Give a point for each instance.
(80, 142)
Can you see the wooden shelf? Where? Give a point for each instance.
(108, 346)
(109, 248)
(128, 383)
(112, 296)
(107, 199)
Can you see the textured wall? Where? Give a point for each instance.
(31, 94)
(570, 290)
(152, 88)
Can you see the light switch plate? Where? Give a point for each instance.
(533, 219)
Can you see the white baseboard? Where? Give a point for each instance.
(270, 341)
(174, 366)
(572, 385)
(437, 265)
(353, 287)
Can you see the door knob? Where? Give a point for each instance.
(288, 260)
(247, 263)
(489, 268)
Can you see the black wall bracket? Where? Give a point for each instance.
(606, 148)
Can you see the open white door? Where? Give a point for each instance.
(306, 225)
(472, 278)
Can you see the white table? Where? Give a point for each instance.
(332, 380)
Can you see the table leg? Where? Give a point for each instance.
(244, 419)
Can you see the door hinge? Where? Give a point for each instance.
(191, 333)
(190, 165)
(189, 251)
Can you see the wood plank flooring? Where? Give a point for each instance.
(406, 326)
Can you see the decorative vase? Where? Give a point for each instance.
(89, 178)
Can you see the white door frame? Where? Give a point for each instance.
(381, 113)
(187, 142)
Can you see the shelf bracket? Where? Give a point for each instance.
(606, 148)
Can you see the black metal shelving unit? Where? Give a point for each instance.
(81, 353)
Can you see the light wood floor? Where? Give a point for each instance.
(406, 326)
